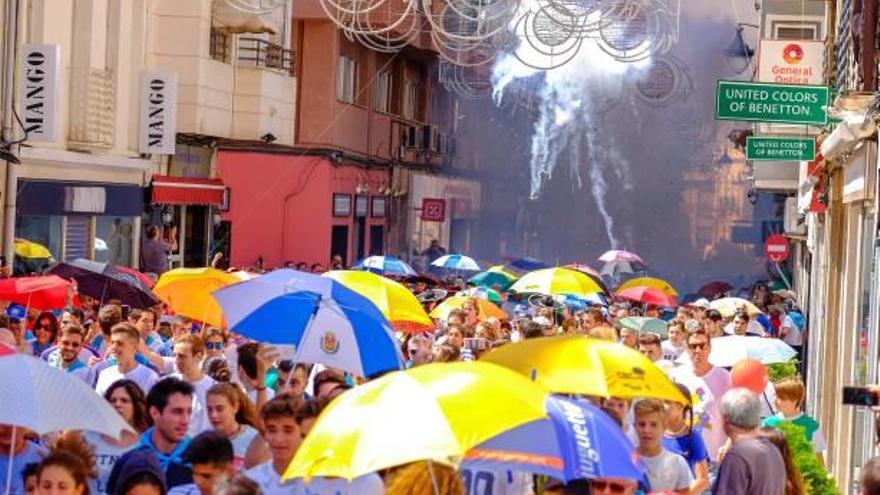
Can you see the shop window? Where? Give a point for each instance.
(339, 242)
(382, 95)
(346, 79)
(113, 237)
(76, 238)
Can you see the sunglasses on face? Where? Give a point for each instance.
(608, 486)
(214, 345)
(698, 346)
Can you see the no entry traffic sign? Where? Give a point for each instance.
(776, 248)
(433, 210)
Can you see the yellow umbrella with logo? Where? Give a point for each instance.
(393, 299)
(433, 412)
(652, 282)
(187, 291)
(556, 281)
(574, 364)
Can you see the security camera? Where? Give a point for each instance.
(268, 138)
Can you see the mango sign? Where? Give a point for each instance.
(791, 61)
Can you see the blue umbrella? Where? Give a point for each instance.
(527, 264)
(327, 322)
(385, 265)
(456, 262)
(576, 440)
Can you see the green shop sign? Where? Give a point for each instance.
(777, 103)
(780, 148)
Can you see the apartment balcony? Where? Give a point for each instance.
(257, 52)
(264, 91)
(92, 108)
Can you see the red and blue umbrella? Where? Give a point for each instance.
(386, 265)
(575, 441)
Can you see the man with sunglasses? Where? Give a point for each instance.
(418, 351)
(709, 383)
(70, 342)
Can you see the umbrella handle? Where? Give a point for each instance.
(10, 463)
(430, 472)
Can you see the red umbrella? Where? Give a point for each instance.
(648, 295)
(7, 350)
(146, 280)
(712, 289)
(48, 292)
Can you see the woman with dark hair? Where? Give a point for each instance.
(127, 398)
(794, 483)
(68, 468)
(682, 437)
(45, 332)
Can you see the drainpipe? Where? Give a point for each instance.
(10, 65)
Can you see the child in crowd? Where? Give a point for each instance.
(666, 471)
(789, 399)
(682, 437)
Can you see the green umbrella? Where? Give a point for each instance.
(497, 275)
(486, 293)
(644, 325)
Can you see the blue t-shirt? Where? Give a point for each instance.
(32, 453)
(690, 446)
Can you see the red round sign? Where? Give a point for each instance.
(776, 248)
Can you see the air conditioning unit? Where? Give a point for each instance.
(410, 137)
(792, 221)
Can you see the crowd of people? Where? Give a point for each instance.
(217, 414)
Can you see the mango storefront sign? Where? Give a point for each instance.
(764, 102)
(780, 148)
(791, 61)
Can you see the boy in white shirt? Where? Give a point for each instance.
(666, 471)
(124, 341)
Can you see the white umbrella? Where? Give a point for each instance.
(46, 400)
(727, 351)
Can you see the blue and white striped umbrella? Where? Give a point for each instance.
(386, 265)
(456, 262)
(327, 322)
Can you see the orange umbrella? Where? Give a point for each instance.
(485, 309)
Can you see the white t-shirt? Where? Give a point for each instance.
(794, 336)
(106, 455)
(369, 484)
(497, 482)
(143, 376)
(670, 351)
(708, 389)
(667, 471)
(199, 421)
(269, 481)
(754, 328)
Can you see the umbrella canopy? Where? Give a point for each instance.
(574, 364)
(486, 293)
(31, 250)
(456, 262)
(554, 281)
(326, 321)
(46, 400)
(729, 350)
(648, 295)
(497, 275)
(187, 291)
(393, 299)
(424, 413)
(104, 281)
(584, 268)
(622, 267)
(485, 309)
(712, 289)
(527, 265)
(48, 292)
(619, 255)
(644, 325)
(655, 283)
(553, 446)
(143, 277)
(385, 265)
(729, 306)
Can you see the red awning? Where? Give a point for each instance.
(187, 191)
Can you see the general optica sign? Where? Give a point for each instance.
(780, 148)
(764, 102)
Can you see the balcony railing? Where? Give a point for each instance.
(261, 53)
(220, 45)
(92, 107)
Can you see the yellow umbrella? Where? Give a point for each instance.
(187, 291)
(393, 299)
(573, 364)
(729, 306)
(433, 412)
(32, 250)
(485, 309)
(556, 281)
(655, 283)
